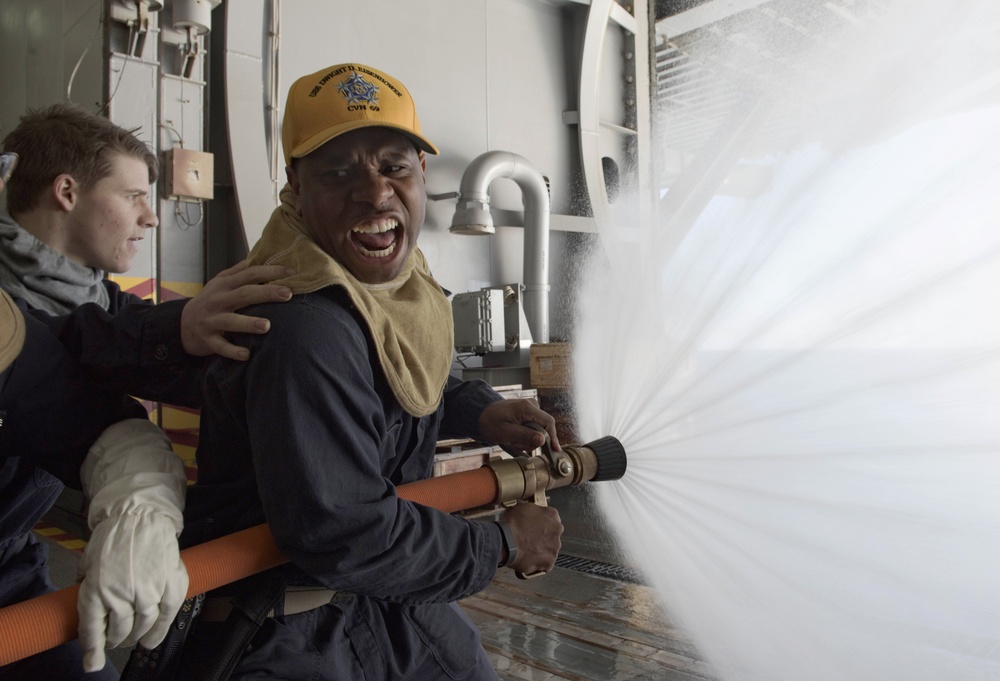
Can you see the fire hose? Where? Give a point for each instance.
(44, 622)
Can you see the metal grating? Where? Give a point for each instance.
(618, 573)
(759, 74)
(703, 74)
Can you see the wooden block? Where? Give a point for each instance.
(454, 456)
(466, 462)
(549, 365)
(520, 395)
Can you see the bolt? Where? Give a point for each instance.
(565, 467)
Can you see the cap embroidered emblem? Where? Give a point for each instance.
(357, 90)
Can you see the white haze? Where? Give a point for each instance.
(808, 389)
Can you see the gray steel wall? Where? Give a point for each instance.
(41, 42)
(486, 74)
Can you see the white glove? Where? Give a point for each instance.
(133, 579)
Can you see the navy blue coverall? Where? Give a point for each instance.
(309, 437)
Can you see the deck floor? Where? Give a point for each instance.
(574, 626)
(579, 624)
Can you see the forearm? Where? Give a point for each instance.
(136, 351)
(131, 468)
(393, 550)
(464, 402)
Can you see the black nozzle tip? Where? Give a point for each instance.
(611, 459)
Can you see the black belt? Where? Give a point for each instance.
(297, 599)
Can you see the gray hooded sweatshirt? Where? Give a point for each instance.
(46, 279)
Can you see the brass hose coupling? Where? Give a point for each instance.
(529, 477)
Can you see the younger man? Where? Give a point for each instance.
(79, 203)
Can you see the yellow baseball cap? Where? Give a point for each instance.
(342, 98)
(11, 331)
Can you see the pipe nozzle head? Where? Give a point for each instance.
(472, 217)
(473, 230)
(611, 458)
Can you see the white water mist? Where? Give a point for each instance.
(808, 388)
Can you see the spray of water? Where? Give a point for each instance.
(808, 386)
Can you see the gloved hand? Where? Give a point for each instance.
(133, 579)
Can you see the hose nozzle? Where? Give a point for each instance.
(529, 478)
(609, 457)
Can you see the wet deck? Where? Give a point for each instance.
(568, 625)
(576, 625)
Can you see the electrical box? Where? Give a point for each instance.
(189, 174)
(479, 321)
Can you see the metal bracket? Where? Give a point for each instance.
(442, 197)
(560, 465)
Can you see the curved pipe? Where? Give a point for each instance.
(473, 217)
(44, 622)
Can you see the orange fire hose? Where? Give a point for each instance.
(50, 620)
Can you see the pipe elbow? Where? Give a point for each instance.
(481, 172)
(491, 165)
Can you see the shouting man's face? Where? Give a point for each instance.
(363, 197)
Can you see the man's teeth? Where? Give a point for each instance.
(376, 227)
(378, 254)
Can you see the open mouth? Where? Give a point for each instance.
(376, 239)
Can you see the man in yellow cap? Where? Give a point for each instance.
(344, 401)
